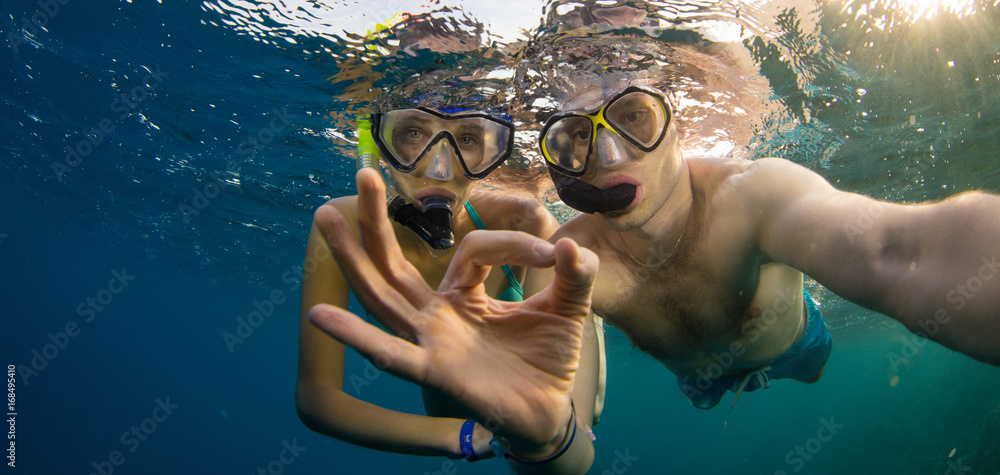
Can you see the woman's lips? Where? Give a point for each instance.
(429, 192)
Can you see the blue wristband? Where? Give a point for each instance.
(465, 441)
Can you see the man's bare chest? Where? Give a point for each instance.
(671, 312)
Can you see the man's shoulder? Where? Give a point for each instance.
(722, 167)
(746, 179)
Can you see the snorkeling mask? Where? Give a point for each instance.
(406, 136)
(638, 115)
(481, 141)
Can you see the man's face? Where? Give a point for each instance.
(616, 160)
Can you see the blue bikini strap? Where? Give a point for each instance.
(506, 268)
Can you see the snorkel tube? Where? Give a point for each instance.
(433, 224)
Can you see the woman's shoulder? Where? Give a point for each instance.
(513, 212)
(347, 206)
(344, 204)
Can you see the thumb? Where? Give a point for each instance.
(576, 270)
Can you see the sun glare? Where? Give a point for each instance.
(911, 11)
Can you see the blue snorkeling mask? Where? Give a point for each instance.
(481, 141)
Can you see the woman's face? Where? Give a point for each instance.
(437, 174)
(436, 153)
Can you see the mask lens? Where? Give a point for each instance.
(640, 116)
(567, 142)
(481, 143)
(407, 133)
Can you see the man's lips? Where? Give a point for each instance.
(624, 180)
(618, 180)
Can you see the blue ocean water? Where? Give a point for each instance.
(162, 162)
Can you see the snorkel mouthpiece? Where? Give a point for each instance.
(433, 225)
(588, 198)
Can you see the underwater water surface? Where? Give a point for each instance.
(162, 161)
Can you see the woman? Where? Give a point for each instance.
(436, 157)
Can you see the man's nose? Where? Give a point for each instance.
(610, 148)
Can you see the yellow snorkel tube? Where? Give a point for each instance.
(433, 224)
(368, 153)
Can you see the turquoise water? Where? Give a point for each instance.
(184, 207)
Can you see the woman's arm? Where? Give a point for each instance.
(321, 401)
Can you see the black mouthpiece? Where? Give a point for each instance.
(433, 225)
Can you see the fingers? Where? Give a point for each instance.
(372, 290)
(379, 239)
(576, 270)
(480, 250)
(575, 267)
(387, 352)
(376, 228)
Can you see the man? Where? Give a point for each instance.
(702, 260)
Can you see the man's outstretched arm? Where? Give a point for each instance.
(933, 267)
(509, 365)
